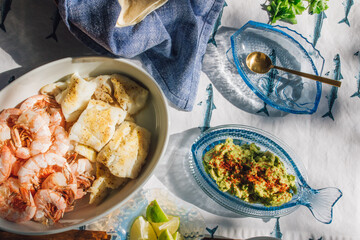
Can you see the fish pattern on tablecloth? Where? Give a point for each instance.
(5, 8)
(319, 20)
(269, 81)
(208, 108)
(357, 93)
(216, 26)
(56, 18)
(332, 96)
(347, 5)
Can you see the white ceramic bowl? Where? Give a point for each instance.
(153, 117)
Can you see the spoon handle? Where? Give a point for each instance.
(311, 76)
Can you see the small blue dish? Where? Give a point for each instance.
(286, 48)
(319, 201)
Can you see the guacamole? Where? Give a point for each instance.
(247, 172)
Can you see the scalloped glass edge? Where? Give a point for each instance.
(282, 210)
(259, 94)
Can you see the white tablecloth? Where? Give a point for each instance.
(329, 149)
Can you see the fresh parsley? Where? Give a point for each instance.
(317, 6)
(286, 10)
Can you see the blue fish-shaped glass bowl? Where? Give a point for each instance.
(286, 48)
(319, 201)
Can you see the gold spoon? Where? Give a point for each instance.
(259, 62)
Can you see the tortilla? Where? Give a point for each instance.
(134, 11)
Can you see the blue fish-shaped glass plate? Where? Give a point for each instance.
(286, 48)
(319, 201)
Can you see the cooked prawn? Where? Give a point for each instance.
(6, 161)
(5, 133)
(37, 123)
(13, 206)
(7, 117)
(83, 171)
(39, 167)
(50, 205)
(20, 142)
(23, 153)
(16, 166)
(54, 181)
(81, 166)
(64, 184)
(35, 102)
(56, 118)
(61, 141)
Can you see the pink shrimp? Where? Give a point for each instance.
(50, 206)
(7, 118)
(83, 171)
(37, 123)
(64, 184)
(61, 141)
(16, 206)
(5, 133)
(39, 167)
(6, 161)
(35, 102)
(16, 166)
(18, 140)
(56, 118)
(9, 115)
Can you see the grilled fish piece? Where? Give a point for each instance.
(75, 97)
(130, 95)
(125, 154)
(96, 124)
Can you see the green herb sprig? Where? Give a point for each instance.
(286, 10)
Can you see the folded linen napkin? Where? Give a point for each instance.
(170, 41)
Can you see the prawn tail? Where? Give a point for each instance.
(26, 195)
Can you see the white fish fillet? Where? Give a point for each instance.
(125, 154)
(98, 190)
(104, 91)
(130, 95)
(96, 124)
(103, 183)
(75, 97)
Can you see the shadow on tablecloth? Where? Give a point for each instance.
(25, 46)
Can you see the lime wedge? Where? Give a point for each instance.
(165, 235)
(172, 225)
(177, 236)
(142, 229)
(155, 214)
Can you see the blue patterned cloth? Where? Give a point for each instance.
(170, 41)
